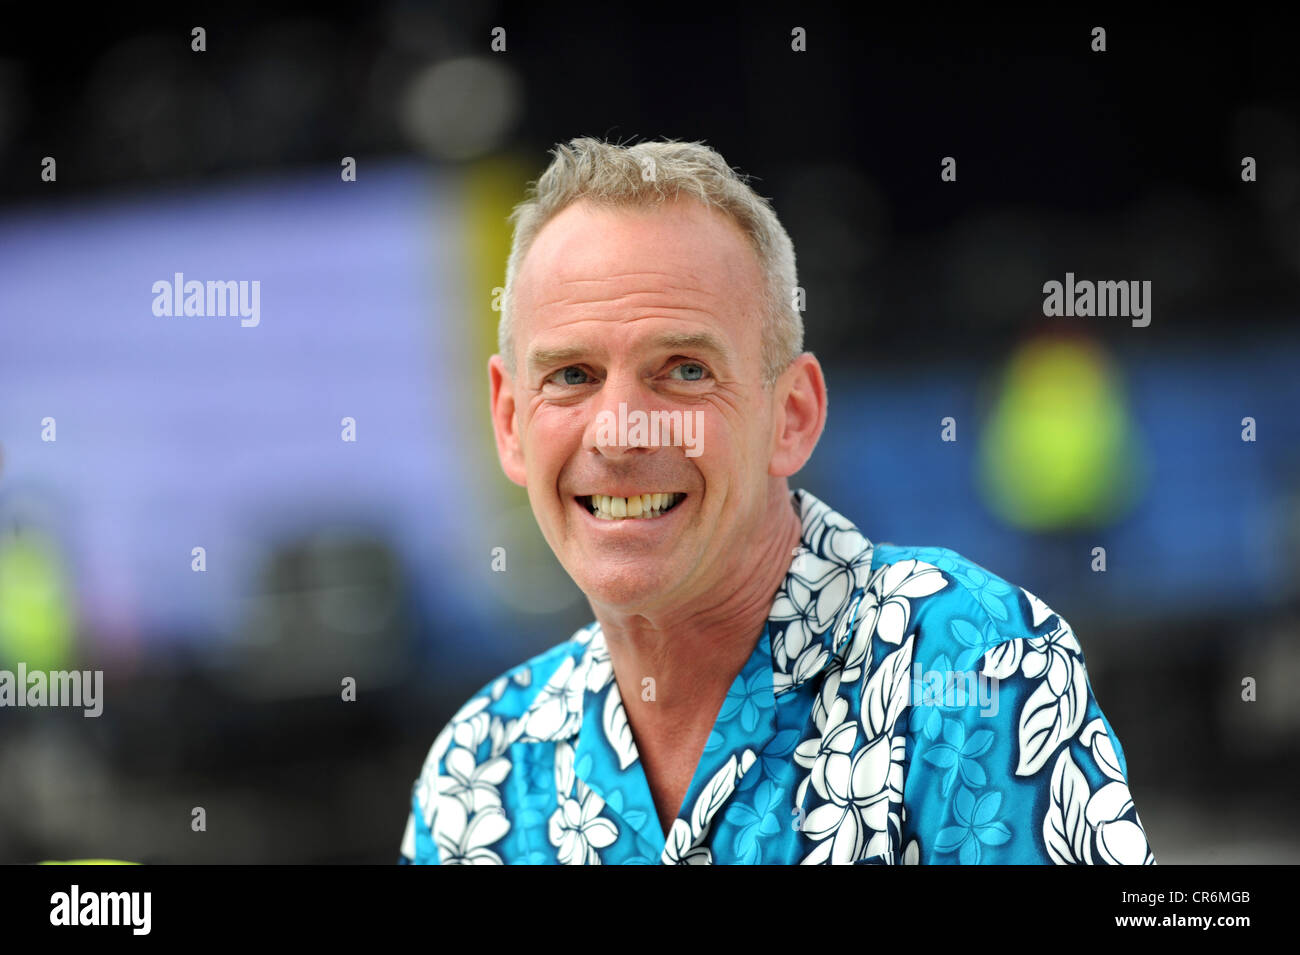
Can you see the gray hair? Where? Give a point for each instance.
(646, 174)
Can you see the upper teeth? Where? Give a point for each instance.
(638, 505)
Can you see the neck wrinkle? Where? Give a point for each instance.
(703, 656)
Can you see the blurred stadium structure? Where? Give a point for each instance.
(372, 559)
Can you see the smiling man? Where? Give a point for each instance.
(761, 683)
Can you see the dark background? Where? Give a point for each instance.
(924, 301)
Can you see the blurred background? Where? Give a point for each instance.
(372, 558)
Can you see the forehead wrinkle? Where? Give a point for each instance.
(692, 282)
(567, 295)
(624, 310)
(596, 310)
(620, 275)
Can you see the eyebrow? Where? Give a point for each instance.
(691, 341)
(679, 341)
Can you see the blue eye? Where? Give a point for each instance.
(689, 369)
(569, 375)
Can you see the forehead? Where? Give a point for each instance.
(610, 261)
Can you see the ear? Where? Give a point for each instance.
(799, 415)
(504, 424)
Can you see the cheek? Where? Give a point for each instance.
(759, 434)
(741, 439)
(554, 435)
(726, 454)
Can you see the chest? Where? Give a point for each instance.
(669, 791)
(669, 767)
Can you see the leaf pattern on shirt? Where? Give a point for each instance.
(578, 830)
(618, 732)
(683, 844)
(1082, 826)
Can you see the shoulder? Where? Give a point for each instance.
(467, 761)
(490, 711)
(510, 694)
(955, 604)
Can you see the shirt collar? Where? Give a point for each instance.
(812, 614)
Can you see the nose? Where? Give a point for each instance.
(620, 423)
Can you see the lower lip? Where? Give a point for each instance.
(632, 525)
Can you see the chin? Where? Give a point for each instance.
(627, 590)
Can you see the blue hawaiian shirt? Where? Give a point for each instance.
(901, 706)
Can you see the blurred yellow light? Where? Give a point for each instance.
(88, 862)
(1059, 449)
(35, 619)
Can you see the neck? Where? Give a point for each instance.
(694, 653)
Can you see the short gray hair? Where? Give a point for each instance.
(646, 174)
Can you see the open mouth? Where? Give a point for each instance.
(639, 506)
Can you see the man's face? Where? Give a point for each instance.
(656, 309)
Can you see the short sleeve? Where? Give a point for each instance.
(418, 844)
(1012, 759)
(418, 847)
